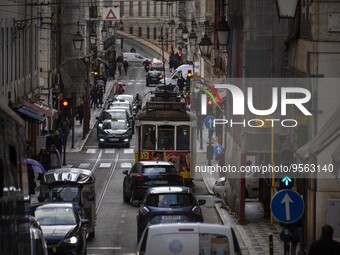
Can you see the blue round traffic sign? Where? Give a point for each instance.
(218, 149)
(287, 206)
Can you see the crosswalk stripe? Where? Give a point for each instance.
(110, 150)
(84, 165)
(125, 165)
(91, 151)
(105, 165)
(128, 151)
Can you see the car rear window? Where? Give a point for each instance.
(159, 170)
(169, 200)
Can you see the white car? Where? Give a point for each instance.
(218, 187)
(188, 238)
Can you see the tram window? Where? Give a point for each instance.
(148, 137)
(183, 137)
(166, 137)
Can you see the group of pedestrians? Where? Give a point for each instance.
(97, 94)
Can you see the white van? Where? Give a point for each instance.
(133, 57)
(182, 70)
(188, 238)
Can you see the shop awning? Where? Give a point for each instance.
(30, 114)
(328, 133)
(48, 112)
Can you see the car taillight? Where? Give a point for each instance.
(196, 210)
(139, 178)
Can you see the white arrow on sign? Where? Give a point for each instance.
(218, 149)
(210, 121)
(286, 199)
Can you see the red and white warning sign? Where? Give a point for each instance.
(111, 13)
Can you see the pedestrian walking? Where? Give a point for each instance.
(100, 95)
(80, 112)
(44, 158)
(55, 158)
(126, 66)
(325, 245)
(93, 97)
(30, 153)
(120, 67)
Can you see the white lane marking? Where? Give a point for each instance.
(91, 150)
(84, 165)
(104, 248)
(128, 151)
(138, 83)
(110, 150)
(105, 165)
(130, 83)
(127, 159)
(125, 165)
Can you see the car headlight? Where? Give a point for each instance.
(101, 139)
(196, 210)
(126, 140)
(71, 240)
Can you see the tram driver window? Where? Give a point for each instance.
(148, 137)
(183, 137)
(166, 137)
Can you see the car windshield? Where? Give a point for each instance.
(55, 216)
(169, 200)
(115, 125)
(159, 170)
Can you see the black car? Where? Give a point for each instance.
(168, 205)
(114, 114)
(63, 229)
(147, 174)
(153, 77)
(114, 132)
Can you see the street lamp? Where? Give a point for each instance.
(223, 31)
(185, 33)
(93, 37)
(205, 46)
(110, 29)
(104, 32)
(192, 38)
(286, 8)
(78, 41)
(180, 28)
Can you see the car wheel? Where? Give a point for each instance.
(126, 199)
(92, 234)
(132, 198)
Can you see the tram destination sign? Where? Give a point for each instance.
(165, 106)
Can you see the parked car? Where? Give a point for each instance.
(168, 205)
(114, 132)
(188, 238)
(147, 174)
(124, 97)
(63, 229)
(153, 77)
(219, 187)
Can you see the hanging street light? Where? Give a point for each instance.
(223, 31)
(110, 29)
(180, 28)
(205, 46)
(192, 38)
(93, 37)
(185, 33)
(104, 32)
(286, 8)
(78, 41)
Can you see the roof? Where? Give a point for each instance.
(154, 162)
(69, 175)
(169, 189)
(54, 205)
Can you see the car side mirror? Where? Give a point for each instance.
(84, 221)
(90, 198)
(202, 201)
(126, 172)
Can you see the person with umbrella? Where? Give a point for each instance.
(43, 157)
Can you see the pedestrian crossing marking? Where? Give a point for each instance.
(138, 83)
(84, 165)
(125, 165)
(130, 83)
(91, 151)
(128, 151)
(105, 165)
(110, 150)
